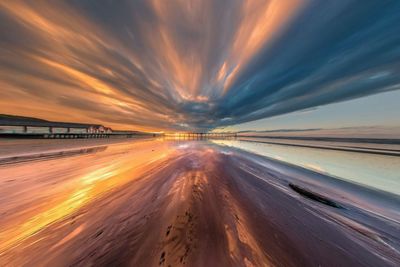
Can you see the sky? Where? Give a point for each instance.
(371, 116)
(186, 65)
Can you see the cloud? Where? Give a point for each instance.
(190, 65)
(331, 52)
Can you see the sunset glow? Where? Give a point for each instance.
(199, 133)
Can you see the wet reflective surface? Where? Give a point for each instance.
(192, 203)
(374, 170)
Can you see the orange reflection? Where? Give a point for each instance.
(124, 169)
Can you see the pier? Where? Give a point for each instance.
(203, 135)
(26, 127)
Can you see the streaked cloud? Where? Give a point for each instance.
(184, 65)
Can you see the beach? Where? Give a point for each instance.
(158, 202)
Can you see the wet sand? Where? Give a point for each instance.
(160, 203)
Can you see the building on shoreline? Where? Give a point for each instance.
(24, 125)
(27, 127)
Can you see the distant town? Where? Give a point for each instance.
(28, 127)
(12, 126)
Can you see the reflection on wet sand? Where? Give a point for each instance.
(166, 203)
(368, 169)
(89, 184)
(50, 155)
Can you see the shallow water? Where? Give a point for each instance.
(375, 171)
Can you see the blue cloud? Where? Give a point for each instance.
(333, 51)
